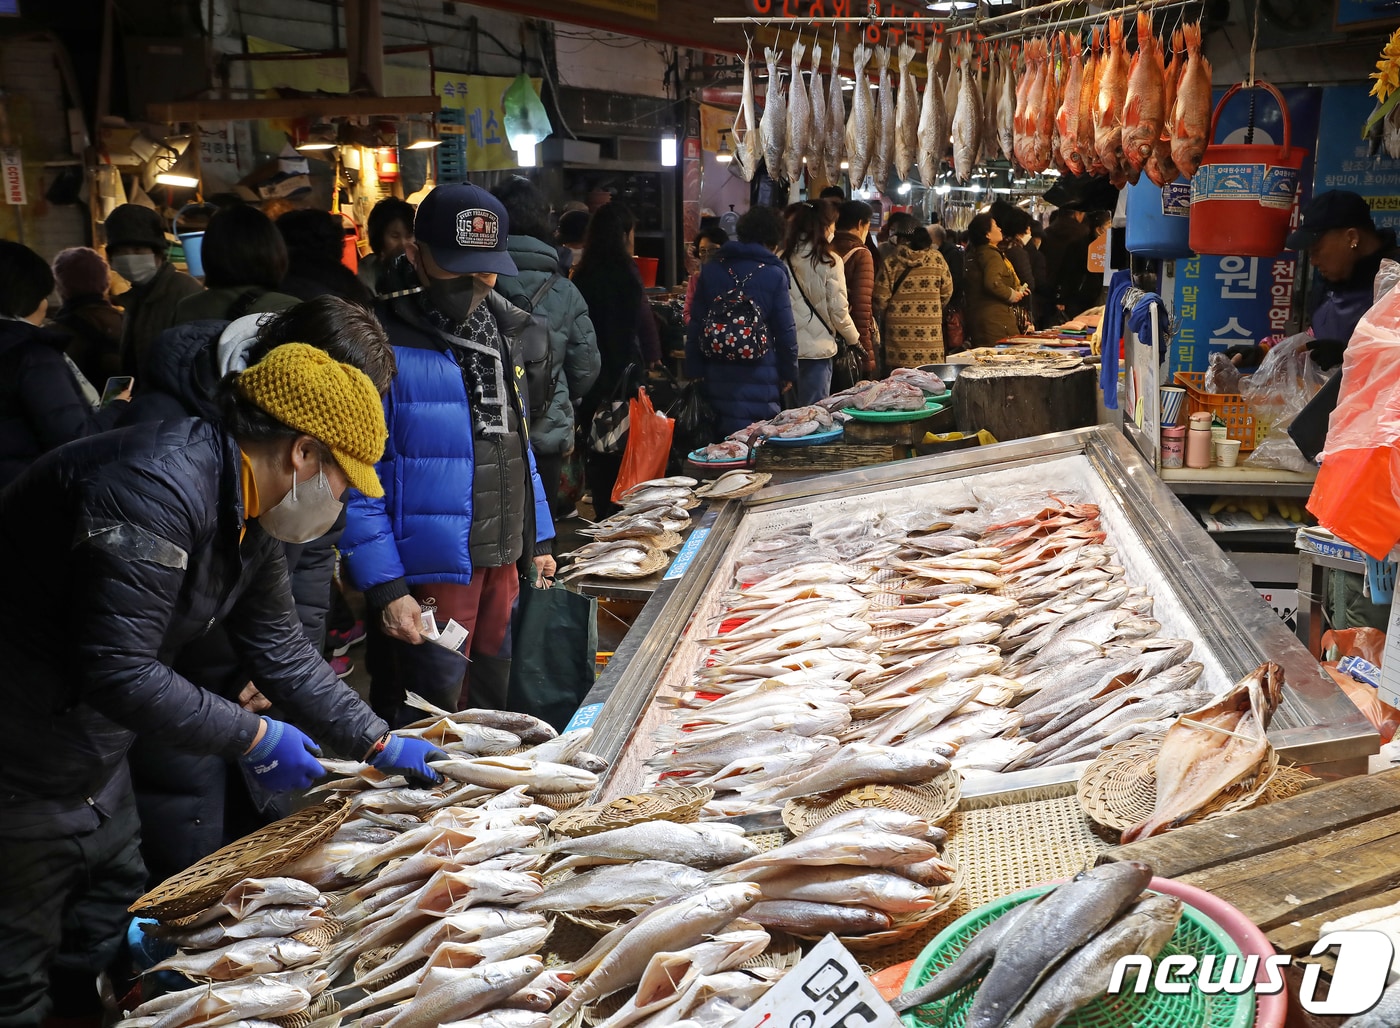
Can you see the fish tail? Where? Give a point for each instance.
(1193, 37)
(1146, 37)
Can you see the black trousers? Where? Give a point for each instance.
(63, 916)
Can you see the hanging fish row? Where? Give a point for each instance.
(1052, 106)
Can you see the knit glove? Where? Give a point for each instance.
(403, 755)
(1327, 353)
(284, 759)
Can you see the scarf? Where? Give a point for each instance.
(477, 342)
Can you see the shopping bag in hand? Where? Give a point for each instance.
(607, 433)
(648, 446)
(554, 647)
(845, 367)
(695, 424)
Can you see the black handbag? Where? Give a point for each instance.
(607, 433)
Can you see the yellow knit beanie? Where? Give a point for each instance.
(309, 390)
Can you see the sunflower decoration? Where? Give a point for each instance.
(1387, 81)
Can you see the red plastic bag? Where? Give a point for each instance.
(648, 445)
(1366, 643)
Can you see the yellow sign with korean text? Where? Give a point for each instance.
(479, 96)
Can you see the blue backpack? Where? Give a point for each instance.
(734, 328)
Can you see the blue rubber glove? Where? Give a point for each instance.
(284, 759)
(403, 755)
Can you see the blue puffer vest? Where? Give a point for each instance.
(420, 531)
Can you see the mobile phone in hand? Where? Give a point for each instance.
(116, 385)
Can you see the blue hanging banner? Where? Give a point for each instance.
(1341, 154)
(1222, 301)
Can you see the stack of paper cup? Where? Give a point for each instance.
(1172, 399)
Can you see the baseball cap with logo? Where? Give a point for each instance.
(465, 228)
(1336, 208)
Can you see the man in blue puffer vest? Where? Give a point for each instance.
(463, 514)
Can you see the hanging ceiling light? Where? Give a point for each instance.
(179, 166)
(422, 137)
(668, 149)
(904, 188)
(724, 155)
(321, 136)
(952, 6)
(526, 120)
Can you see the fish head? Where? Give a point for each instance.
(1129, 873)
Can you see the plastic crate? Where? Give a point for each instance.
(1231, 408)
(451, 155)
(1380, 579)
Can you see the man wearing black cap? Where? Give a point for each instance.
(1346, 249)
(463, 515)
(136, 248)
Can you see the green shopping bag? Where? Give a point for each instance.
(554, 651)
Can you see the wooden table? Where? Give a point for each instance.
(1294, 865)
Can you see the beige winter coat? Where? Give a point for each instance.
(819, 305)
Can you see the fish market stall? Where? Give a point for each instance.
(1198, 597)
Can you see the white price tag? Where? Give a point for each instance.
(453, 636)
(826, 990)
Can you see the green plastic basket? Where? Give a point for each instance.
(930, 408)
(1196, 934)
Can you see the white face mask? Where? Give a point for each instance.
(304, 516)
(136, 268)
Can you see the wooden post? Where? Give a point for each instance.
(364, 46)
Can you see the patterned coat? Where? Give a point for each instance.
(910, 290)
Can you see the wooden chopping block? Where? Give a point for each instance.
(825, 457)
(1021, 399)
(898, 433)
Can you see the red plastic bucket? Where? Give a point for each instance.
(648, 266)
(1242, 195)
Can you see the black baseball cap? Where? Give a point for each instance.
(1336, 208)
(465, 228)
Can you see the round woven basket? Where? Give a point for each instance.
(933, 801)
(678, 803)
(562, 801)
(1119, 789)
(256, 855)
(664, 541)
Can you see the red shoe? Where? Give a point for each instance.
(342, 666)
(340, 642)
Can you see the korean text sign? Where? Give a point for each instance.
(479, 96)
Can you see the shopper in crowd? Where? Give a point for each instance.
(1345, 248)
(833, 193)
(1040, 272)
(315, 242)
(136, 248)
(129, 545)
(1065, 230)
(572, 230)
(608, 278)
(464, 515)
(1081, 287)
(858, 270)
(708, 242)
(41, 403)
(742, 392)
(1015, 226)
(911, 288)
(189, 804)
(245, 261)
(572, 363)
(93, 326)
(389, 228)
(899, 225)
(993, 290)
(817, 290)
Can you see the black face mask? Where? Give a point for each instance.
(456, 298)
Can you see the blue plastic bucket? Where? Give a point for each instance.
(1159, 220)
(193, 242)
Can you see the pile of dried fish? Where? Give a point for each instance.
(1055, 954)
(891, 394)
(630, 544)
(1057, 104)
(886, 648)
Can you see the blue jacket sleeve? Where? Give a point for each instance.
(782, 325)
(544, 521)
(368, 546)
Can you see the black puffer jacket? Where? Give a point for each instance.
(132, 545)
(41, 406)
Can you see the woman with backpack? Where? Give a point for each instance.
(911, 289)
(741, 341)
(817, 291)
